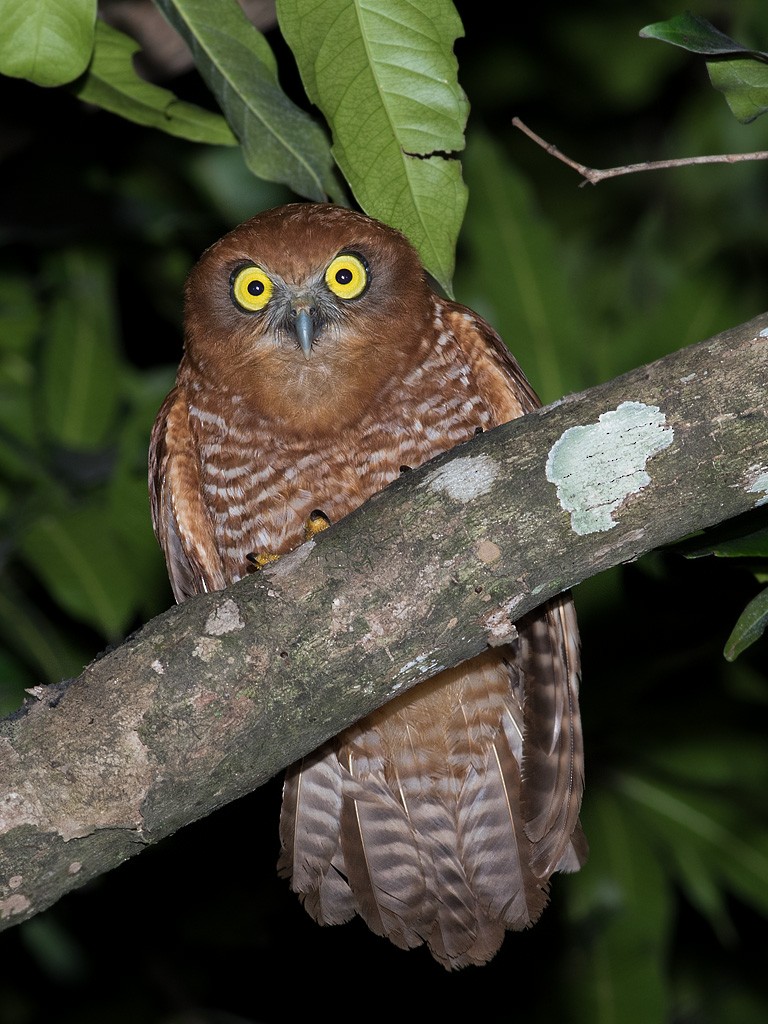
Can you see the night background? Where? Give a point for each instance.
(100, 221)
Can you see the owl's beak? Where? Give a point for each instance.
(304, 326)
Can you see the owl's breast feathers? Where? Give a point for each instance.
(441, 817)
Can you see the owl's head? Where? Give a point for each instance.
(306, 306)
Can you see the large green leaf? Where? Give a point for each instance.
(384, 74)
(698, 803)
(47, 41)
(14, 680)
(280, 141)
(80, 557)
(129, 517)
(112, 83)
(20, 315)
(739, 73)
(80, 366)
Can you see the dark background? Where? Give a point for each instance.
(668, 920)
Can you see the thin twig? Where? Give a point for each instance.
(593, 175)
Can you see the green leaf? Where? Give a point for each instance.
(20, 320)
(710, 759)
(693, 33)
(723, 833)
(33, 637)
(385, 76)
(20, 316)
(80, 364)
(620, 904)
(742, 537)
(750, 881)
(47, 41)
(130, 518)
(280, 141)
(54, 947)
(694, 871)
(744, 84)
(112, 83)
(749, 627)
(743, 78)
(14, 680)
(80, 557)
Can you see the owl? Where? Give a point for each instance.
(318, 364)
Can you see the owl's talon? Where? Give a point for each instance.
(261, 559)
(317, 522)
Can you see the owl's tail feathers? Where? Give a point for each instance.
(349, 847)
(310, 855)
(553, 761)
(497, 851)
(375, 873)
(434, 859)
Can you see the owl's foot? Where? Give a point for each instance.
(317, 522)
(258, 561)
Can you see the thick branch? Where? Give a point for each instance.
(211, 698)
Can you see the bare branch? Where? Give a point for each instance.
(213, 697)
(593, 175)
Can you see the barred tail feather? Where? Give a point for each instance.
(382, 862)
(440, 818)
(553, 760)
(309, 835)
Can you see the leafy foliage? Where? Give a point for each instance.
(280, 141)
(45, 41)
(667, 921)
(111, 82)
(739, 73)
(748, 543)
(384, 75)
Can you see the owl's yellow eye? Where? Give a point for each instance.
(347, 276)
(251, 289)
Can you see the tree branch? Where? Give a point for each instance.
(594, 175)
(210, 699)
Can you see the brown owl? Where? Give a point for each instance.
(318, 363)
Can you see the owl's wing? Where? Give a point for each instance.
(547, 652)
(179, 518)
(497, 373)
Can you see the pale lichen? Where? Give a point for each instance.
(598, 466)
(463, 479)
(757, 483)
(225, 618)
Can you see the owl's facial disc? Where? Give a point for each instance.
(300, 310)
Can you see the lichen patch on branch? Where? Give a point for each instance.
(598, 466)
(757, 483)
(463, 479)
(225, 618)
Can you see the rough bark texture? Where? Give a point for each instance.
(210, 699)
